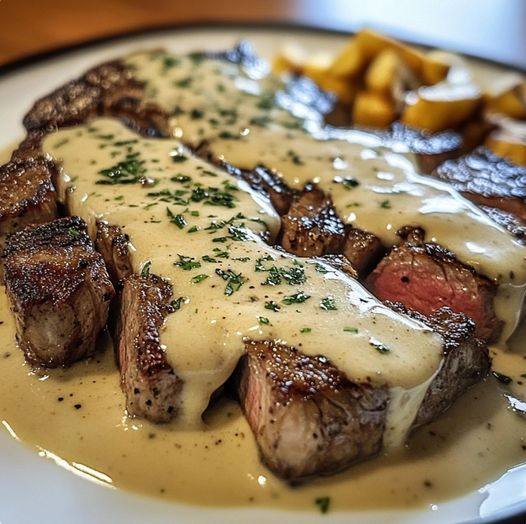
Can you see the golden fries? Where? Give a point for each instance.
(373, 109)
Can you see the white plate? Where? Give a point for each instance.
(33, 489)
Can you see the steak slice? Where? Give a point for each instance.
(426, 277)
(309, 419)
(59, 291)
(362, 249)
(27, 195)
(488, 180)
(107, 89)
(113, 245)
(150, 384)
(312, 228)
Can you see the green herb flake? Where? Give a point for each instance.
(385, 204)
(145, 270)
(347, 182)
(305, 330)
(177, 303)
(234, 280)
(323, 504)
(178, 220)
(297, 298)
(263, 320)
(328, 304)
(381, 348)
(273, 306)
(350, 329)
(198, 278)
(187, 263)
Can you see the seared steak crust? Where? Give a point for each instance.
(307, 418)
(488, 180)
(362, 249)
(59, 291)
(108, 89)
(426, 277)
(27, 194)
(113, 245)
(149, 383)
(312, 228)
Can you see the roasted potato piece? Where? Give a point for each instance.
(506, 145)
(433, 70)
(350, 62)
(510, 102)
(292, 58)
(440, 107)
(389, 74)
(372, 109)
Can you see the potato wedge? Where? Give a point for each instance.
(440, 107)
(372, 109)
(510, 102)
(433, 70)
(350, 62)
(291, 59)
(509, 140)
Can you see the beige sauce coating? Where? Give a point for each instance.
(233, 286)
(372, 187)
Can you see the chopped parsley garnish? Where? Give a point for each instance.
(177, 303)
(297, 298)
(296, 159)
(187, 263)
(328, 304)
(196, 114)
(73, 233)
(208, 258)
(128, 171)
(169, 62)
(198, 278)
(178, 220)
(320, 269)
(181, 179)
(145, 270)
(323, 503)
(227, 135)
(385, 204)
(305, 330)
(347, 182)
(193, 229)
(234, 280)
(273, 306)
(178, 157)
(350, 329)
(266, 101)
(184, 82)
(263, 320)
(381, 348)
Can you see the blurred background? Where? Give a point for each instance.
(494, 29)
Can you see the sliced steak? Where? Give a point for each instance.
(59, 291)
(107, 89)
(312, 228)
(488, 180)
(309, 419)
(426, 277)
(149, 383)
(27, 195)
(113, 245)
(362, 249)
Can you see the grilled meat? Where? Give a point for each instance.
(426, 277)
(149, 383)
(27, 195)
(308, 419)
(488, 180)
(312, 228)
(59, 291)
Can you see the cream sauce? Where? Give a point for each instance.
(204, 339)
(373, 187)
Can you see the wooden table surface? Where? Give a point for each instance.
(490, 28)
